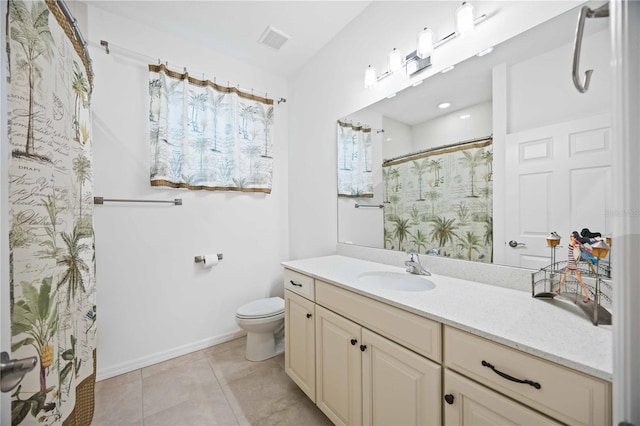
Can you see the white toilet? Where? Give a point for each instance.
(263, 320)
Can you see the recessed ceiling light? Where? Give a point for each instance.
(391, 95)
(464, 116)
(447, 69)
(444, 105)
(417, 83)
(389, 139)
(485, 51)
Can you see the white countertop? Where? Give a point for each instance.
(555, 330)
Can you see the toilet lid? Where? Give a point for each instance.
(261, 308)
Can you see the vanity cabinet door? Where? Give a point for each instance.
(399, 386)
(468, 403)
(300, 349)
(338, 368)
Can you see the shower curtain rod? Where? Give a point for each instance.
(74, 26)
(437, 148)
(150, 59)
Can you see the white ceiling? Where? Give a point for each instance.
(233, 27)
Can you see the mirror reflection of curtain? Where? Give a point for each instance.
(441, 198)
(207, 136)
(51, 240)
(354, 161)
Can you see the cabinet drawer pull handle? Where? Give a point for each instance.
(508, 377)
(354, 341)
(295, 283)
(309, 315)
(449, 398)
(363, 348)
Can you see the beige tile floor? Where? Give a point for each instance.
(214, 386)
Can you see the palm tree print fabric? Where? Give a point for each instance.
(354, 161)
(51, 241)
(441, 199)
(207, 136)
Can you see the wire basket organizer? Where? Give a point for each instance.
(545, 283)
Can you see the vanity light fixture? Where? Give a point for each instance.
(425, 43)
(394, 60)
(370, 77)
(420, 58)
(465, 24)
(444, 105)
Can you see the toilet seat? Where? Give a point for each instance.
(262, 308)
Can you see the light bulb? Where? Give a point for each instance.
(395, 60)
(464, 19)
(370, 77)
(425, 44)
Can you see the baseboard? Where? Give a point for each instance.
(126, 367)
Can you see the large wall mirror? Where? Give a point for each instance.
(517, 154)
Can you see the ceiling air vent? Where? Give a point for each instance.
(273, 38)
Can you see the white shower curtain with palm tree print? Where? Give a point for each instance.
(355, 177)
(51, 241)
(441, 199)
(207, 136)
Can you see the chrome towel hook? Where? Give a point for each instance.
(585, 12)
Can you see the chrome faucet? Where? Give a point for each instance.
(414, 266)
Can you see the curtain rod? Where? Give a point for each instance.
(74, 26)
(437, 148)
(107, 50)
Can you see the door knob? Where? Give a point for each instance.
(514, 244)
(363, 348)
(449, 398)
(354, 341)
(309, 315)
(13, 370)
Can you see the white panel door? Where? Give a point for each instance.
(558, 178)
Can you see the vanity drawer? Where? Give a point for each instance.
(564, 394)
(299, 283)
(412, 331)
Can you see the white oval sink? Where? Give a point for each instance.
(398, 281)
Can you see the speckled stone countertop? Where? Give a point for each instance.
(555, 330)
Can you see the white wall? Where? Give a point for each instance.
(397, 140)
(154, 302)
(450, 128)
(330, 85)
(541, 91)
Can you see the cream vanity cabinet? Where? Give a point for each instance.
(547, 393)
(365, 373)
(299, 331)
(367, 362)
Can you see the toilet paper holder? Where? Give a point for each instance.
(200, 259)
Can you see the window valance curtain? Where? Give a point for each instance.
(207, 136)
(354, 161)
